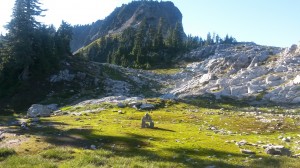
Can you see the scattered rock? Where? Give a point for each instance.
(241, 143)
(287, 139)
(2, 136)
(93, 147)
(296, 155)
(24, 126)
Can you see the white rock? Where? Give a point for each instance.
(297, 80)
(38, 110)
(93, 147)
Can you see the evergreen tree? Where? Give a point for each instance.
(137, 50)
(177, 37)
(217, 39)
(209, 40)
(63, 38)
(21, 36)
(158, 42)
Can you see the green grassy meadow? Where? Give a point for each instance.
(185, 135)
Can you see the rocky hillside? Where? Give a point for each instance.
(244, 71)
(130, 15)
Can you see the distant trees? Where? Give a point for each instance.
(30, 49)
(216, 39)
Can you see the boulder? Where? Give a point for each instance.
(121, 105)
(134, 104)
(53, 107)
(296, 100)
(38, 110)
(278, 150)
(147, 106)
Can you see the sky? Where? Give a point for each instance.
(265, 22)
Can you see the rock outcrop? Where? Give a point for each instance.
(245, 70)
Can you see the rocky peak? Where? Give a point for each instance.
(129, 15)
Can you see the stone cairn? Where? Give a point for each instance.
(147, 121)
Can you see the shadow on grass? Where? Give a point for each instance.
(228, 103)
(134, 145)
(130, 146)
(163, 129)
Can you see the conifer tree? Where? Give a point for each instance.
(21, 36)
(63, 38)
(158, 42)
(177, 36)
(137, 50)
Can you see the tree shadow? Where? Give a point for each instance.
(163, 129)
(131, 145)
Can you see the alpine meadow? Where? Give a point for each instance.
(135, 90)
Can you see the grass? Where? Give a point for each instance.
(169, 71)
(5, 152)
(58, 154)
(181, 137)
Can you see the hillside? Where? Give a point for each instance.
(126, 16)
(245, 71)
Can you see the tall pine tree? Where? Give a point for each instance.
(21, 36)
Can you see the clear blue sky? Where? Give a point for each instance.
(266, 22)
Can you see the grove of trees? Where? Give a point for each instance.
(30, 50)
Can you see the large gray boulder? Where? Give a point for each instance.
(278, 150)
(147, 106)
(38, 110)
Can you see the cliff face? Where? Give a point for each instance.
(126, 16)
